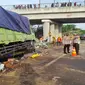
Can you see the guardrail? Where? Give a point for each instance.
(44, 5)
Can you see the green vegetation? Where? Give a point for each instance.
(71, 29)
(82, 31)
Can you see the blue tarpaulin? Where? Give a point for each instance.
(14, 21)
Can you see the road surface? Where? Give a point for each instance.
(51, 68)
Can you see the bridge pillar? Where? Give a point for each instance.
(58, 30)
(52, 31)
(46, 29)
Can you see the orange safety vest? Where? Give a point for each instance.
(59, 39)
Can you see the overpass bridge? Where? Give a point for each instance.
(58, 14)
(53, 18)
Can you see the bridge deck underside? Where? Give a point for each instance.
(68, 20)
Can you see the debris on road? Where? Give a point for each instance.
(55, 78)
(41, 45)
(35, 55)
(11, 64)
(30, 68)
(1, 66)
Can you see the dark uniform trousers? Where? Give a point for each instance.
(76, 46)
(66, 48)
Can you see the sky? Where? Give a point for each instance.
(15, 2)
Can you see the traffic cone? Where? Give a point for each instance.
(73, 52)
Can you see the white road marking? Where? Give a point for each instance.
(53, 61)
(75, 70)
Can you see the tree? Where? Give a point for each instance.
(68, 28)
(82, 31)
(71, 29)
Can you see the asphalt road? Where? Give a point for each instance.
(82, 41)
(68, 70)
(62, 70)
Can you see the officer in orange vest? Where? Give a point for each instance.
(59, 41)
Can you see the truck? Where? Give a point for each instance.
(16, 36)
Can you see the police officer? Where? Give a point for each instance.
(76, 42)
(66, 43)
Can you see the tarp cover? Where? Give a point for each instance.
(14, 21)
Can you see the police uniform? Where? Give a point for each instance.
(66, 42)
(76, 42)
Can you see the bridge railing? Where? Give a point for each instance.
(44, 5)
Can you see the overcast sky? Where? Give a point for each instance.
(12, 2)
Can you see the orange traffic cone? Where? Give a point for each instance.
(73, 52)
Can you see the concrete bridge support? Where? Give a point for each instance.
(46, 29)
(51, 29)
(58, 30)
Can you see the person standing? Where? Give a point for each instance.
(66, 43)
(53, 40)
(59, 41)
(76, 42)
